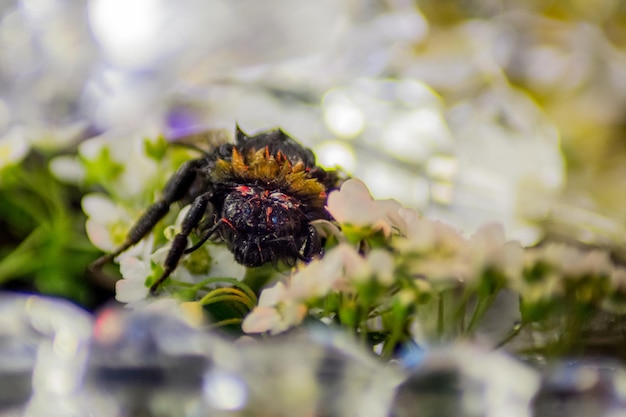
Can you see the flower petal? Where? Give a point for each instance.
(130, 291)
(102, 209)
(99, 235)
(134, 269)
(260, 320)
(271, 296)
(353, 204)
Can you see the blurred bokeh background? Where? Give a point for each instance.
(471, 111)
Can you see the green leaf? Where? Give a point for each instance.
(155, 148)
(102, 169)
(536, 311)
(369, 291)
(348, 314)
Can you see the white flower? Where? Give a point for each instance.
(549, 287)
(285, 304)
(403, 219)
(379, 264)
(277, 311)
(18, 140)
(223, 262)
(432, 235)
(616, 301)
(489, 249)
(436, 251)
(104, 219)
(13, 147)
(382, 266)
(574, 262)
(324, 275)
(55, 137)
(107, 223)
(128, 150)
(132, 289)
(618, 280)
(564, 266)
(489, 238)
(67, 169)
(353, 205)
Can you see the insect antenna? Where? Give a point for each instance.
(204, 142)
(193, 147)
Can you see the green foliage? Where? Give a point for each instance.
(44, 247)
(156, 149)
(102, 170)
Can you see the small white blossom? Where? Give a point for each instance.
(222, 263)
(378, 264)
(18, 140)
(276, 312)
(550, 287)
(403, 219)
(55, 137)
(67, 169)
(135, 270)
(488, 240)
(107, 222)
(618, 280)
(132, 287)
(128, 150)
(572, 261)
(324, 275)
(490, 249)
(432, 235)
(353, 205)
(616, 302)
(436, 250)
(284, 305)
(564, 265)
(13, 147)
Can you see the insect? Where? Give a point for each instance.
(259, 195)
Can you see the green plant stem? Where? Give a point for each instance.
(362, 318)
(395, 336)
(232, 292)
(221, 298)
(226, 322)
(236, 283)
(461, 311)
(20, 260)
(440, 316)
(482, 305)
(572, 328)
(512, 334)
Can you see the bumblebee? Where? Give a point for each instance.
(259, 195)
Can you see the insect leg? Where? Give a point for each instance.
(193, 217)
(175, 190)
(208, 234)
(313, 244)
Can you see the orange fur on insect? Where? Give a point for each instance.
(271, 171)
